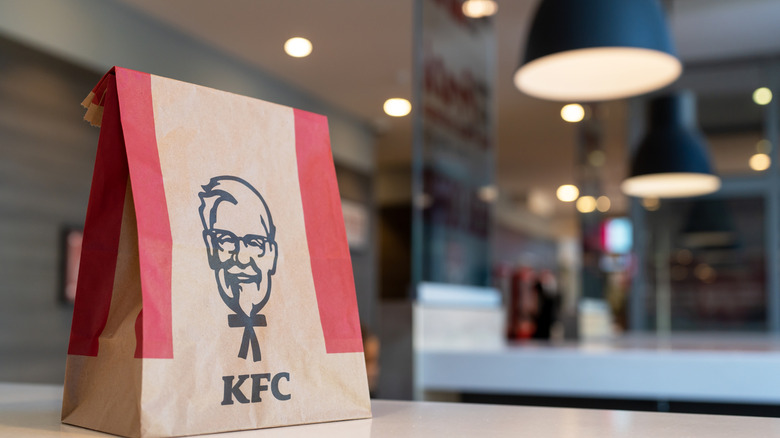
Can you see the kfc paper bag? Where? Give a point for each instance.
(215, 291)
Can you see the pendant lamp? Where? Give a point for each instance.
(593, 50)
(672, 159)
(709, 226)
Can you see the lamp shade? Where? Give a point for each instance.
(592, 50)
(709, 225)
(672, 159)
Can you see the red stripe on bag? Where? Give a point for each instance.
(330, 261)
(154, 338)
(101, 234)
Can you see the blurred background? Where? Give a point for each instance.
(496, 255)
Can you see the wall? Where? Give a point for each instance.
(45, 173)
(101, 33)
(47, 153)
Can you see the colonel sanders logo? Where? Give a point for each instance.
(239, 234)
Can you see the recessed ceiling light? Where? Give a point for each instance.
(298, 47)
(567, 192)
(540, 203)
(586, 204)
(573, 113)
(488, 193)
(397, 107)
(705, 273)
(760, 162)
(603, 204)
(762, 96)
(651, 204)
(479, 8)
(684, 256)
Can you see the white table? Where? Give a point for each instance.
(726, 369)
(34, 410)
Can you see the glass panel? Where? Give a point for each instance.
(709, 255)
(731, 121)
(453, 146)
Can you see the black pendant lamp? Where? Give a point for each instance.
(593, 50)
(672, 160)
(710, 226)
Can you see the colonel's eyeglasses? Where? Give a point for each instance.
(227, 241)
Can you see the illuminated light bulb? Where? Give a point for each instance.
(684, 257)
(762, 96)
(488, 193)
(651, 204)
(603, 204)
(539, 203)
(423, 200)
(586, 204)
(397, 107)
(567, 193)
(760, 162)
(705, 273)
(573, 113)
(298, 47)
(479, 8)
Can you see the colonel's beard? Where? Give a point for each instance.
(247, 294)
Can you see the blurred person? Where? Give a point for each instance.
(549, 303)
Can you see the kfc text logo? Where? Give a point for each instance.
(233, 390)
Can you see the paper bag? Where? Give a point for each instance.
(215, 291)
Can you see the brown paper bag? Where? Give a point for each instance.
(215, 291)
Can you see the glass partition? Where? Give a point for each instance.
(708, 255)
(710, 264)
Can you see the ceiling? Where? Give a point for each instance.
(363, 54)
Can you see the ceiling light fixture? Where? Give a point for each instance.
(603, 204)
(672, 160)
(488, 193)
(762, 96)
(567, 193)
(586, 204)
(760, 162)
(479, 8)
(591, 50)
(573, 113)
(298, 47)
(539, 203)
(651, 204)
(397, 107)
(709, 225)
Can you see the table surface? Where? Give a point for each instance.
(29, 410)
(728, 369)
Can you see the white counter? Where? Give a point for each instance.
(34, 411)
(694, 368)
